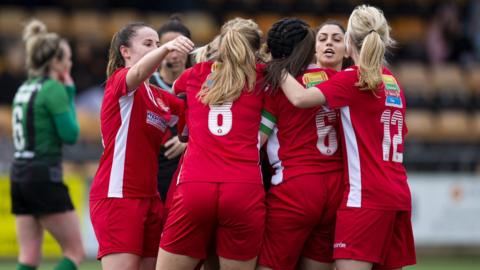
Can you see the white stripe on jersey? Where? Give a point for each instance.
(267, 122)
(273, 147)
(353, 158)
(115, 184)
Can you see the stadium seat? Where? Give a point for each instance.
(156, 19)
(420, 124)
(12, 20)
(202, 25)
(415, 80)
(312, 20)
(408, 29)
(453, 126)
(473, 80)
(5, 121)
(475, 126)
(89, 126)
(90, 24)
(266, 20)
(451, 86)
(119, 18)
(53, 18)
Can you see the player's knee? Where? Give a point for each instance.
(76, 254)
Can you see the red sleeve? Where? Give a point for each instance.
(269, 103)
(118, 82)
(176, 104)
(178, 107)
(339, 90)
(180, 84)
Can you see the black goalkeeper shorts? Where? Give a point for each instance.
(37, 189)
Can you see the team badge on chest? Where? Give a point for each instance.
(156, 121)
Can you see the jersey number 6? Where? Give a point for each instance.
(325, 131)
(18, 138)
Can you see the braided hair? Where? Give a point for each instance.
(291, 43)
(284, 35)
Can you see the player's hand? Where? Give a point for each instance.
(181, 44)
(174, 148)
(66, 78)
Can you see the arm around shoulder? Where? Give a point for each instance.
(300, 96)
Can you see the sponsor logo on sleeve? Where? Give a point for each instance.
(392, 92)
(314, 78)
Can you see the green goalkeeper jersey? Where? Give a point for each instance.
(43, 118)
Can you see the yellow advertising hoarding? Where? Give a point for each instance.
(8, 241)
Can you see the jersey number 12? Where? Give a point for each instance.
(388, 119)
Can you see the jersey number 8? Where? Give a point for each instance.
(220, 119)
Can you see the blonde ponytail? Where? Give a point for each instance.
(235, 65)
(369, 32)
(41, 48)
(371, 61)
(34, 28)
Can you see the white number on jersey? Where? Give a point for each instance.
(220, 114)
(388, 119)
(324, 131)
(18, 136)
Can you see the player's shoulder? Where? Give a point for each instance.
(348, 74)
(52, 88)
(314, 75)
(204, 67)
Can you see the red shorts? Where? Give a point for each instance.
(301, 220)
(127, 225)
(382, 237)
(231, 213)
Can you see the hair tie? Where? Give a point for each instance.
(373, 30)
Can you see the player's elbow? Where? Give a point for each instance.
(300, 101)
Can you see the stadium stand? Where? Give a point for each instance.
(444, 98)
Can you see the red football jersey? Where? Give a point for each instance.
(373, 126)
(301, 141)
(223, 140)
(133, 126)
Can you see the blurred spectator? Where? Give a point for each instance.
(446, 41)
(90, 64)
(473, 26)
(89, 72)
(13, 73)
